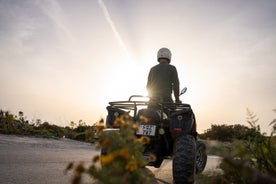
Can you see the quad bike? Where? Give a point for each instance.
(171, 128)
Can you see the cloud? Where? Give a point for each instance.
(16, 28)
(112, 25)
(53, 10)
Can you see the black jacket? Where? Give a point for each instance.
(162, 80)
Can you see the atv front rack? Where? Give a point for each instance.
(132, 105)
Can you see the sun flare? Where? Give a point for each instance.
(127, 78)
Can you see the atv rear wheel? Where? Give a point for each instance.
(201, 156)
(184, 159)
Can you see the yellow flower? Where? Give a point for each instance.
(123, 153)
(96, 158)
(144, 139)
(99, 130)
(135, 127)
(117, 122)
(131, 166)
(107, 159)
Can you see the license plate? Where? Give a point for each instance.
(146, 130)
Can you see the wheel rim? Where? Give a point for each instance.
(200, 159)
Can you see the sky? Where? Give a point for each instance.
(64, 60)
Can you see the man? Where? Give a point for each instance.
(163, 79)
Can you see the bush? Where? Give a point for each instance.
(123, 161)
(252, 160)
(16, 124)
(227, 133)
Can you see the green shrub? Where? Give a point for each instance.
(123, 161)
(252, 160)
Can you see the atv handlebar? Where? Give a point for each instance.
(141, 96)
(137, 96)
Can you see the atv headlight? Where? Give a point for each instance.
(180, 117)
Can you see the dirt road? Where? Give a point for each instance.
(42, 161)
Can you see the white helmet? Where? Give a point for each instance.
(164, 53)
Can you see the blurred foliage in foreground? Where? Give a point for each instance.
(121, 161)
(251, 159)
(248, 160)
(17, 124)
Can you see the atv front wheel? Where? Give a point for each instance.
(184, 159)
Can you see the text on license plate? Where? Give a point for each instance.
(146, 130)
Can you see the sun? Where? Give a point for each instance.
(127, 78)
